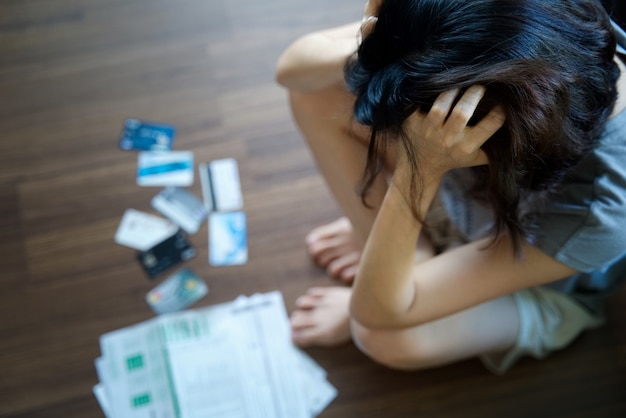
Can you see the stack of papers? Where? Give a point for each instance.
(232, 360)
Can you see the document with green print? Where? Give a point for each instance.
(232, 360)
(134, 372)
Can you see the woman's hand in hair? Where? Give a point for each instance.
(370, 17)
(441, 138)
(371, 8)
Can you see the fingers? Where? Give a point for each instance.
(372, 7)
(444, 133)
(463, 111)
(465, 107)
(370, 17)
(367, 27)
(477, 135)
(488, 125)
(441, 107)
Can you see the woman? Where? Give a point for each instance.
(509, 111)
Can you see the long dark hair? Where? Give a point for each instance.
(548, 63)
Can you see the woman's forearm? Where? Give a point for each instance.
(384, 289)
(316, 61)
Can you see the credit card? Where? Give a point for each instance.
(166, 254)
(146, 136)
(173, 168)
(177, 292)
(142, 231)
(181, 207)
(228, 242)
(221, 187)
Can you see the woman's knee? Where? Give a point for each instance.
(328, 109)
(393, 349)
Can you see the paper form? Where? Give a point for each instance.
(318, 391)
(205, 372)
(233, 360)
(139, 385)
(267, 316)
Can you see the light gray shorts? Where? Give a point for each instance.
(549, 321)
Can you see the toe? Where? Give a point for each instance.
(328, 230)
(337, 266)
(324, 251)
(300, 320)
(303, 337)
(319, 291)
(307, 301)
(302, 328)
(348, 274)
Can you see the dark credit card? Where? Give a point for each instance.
(166, 254)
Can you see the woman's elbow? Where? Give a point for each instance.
(284, 70)
(374, 316)
(384, 310)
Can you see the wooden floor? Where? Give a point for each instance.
(70, 72)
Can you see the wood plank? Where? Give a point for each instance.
(70, 73)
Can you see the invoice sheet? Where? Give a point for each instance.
(136, 373)
(266, 319)
(318, 391)
(99, 392)
(233, 360)
(205, 372)
(245, 368)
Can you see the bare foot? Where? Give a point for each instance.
(334, 248)
(321, 317)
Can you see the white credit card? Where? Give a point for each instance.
(166, 168)
(181, 207)
(142, 231)
(228, 238)
(221, 187)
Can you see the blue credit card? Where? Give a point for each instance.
(170, 168)
(146, 136)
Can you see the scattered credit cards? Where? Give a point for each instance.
(167, 254)
(174, 168)
(228, 238)
(181, 207)
(177, 292)
(162, 243)
(146, 136)
(221, 188)
(142, 231)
